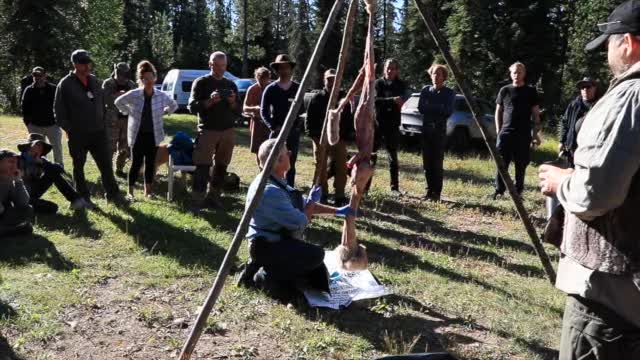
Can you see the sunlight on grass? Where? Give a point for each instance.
(464, 274)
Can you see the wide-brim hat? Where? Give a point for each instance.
(282, 59)
(35, 138)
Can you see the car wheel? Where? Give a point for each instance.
(459, 141)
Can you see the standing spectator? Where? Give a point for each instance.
(214, 99)
(259, 132)
(39, 174)
(145, 108)
(79, 110)
(15, 211)
(574, 115)
(37, 111)
(516, 105)
(435, 105)
(337, 154)
(599, 268)
(276, 101)
(391, 93)
(115, 86)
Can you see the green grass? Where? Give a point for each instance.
(464, 274)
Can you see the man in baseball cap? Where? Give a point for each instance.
(79, 111)
(600, 264)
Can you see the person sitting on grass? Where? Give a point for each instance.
(280, 262)
(15, 211)
(39, 174)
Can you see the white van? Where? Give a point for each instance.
(177, 84)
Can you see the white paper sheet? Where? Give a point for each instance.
(346, 286)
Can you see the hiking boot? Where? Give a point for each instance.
(245, 278)
(88, 204)
(78, 204)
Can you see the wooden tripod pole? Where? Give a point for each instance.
(321, 162)
(502, 169)
(241, 231)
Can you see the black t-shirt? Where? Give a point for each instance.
(516, 104)
(387, 112)
(146, 123)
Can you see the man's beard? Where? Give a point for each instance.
(619, 68)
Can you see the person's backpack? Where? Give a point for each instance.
(181, 149)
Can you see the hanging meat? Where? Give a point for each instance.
(351, 255)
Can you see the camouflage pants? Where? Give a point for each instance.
(119, 146)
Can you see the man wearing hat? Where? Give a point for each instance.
(115, 86)
(600, 264)
(574, 115)
(276, 101)
(37, 111)
(15, 211)
(337, 154)
(39, 174)
(79, 110)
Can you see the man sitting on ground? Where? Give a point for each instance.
(15, 211)
(39, 174)
(281, 262)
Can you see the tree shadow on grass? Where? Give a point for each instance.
(414, 221)
(75, 225)
(25, 249)
(159, 237)
(452, 249)
(422, 322)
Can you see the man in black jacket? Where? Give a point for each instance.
(79, 110)
(37, 111)
(337, 154)
(574, 115)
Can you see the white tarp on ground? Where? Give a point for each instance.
(346, 286)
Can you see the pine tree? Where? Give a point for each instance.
(299, 46)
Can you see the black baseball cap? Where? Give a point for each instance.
(624, 19)
(585, 81)
(38, 71)
(80, 57)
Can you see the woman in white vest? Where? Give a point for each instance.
(145, 131)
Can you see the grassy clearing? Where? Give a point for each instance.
(127, 282)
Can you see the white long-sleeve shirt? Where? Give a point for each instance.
(132, 103)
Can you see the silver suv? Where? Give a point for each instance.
(462, 130)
